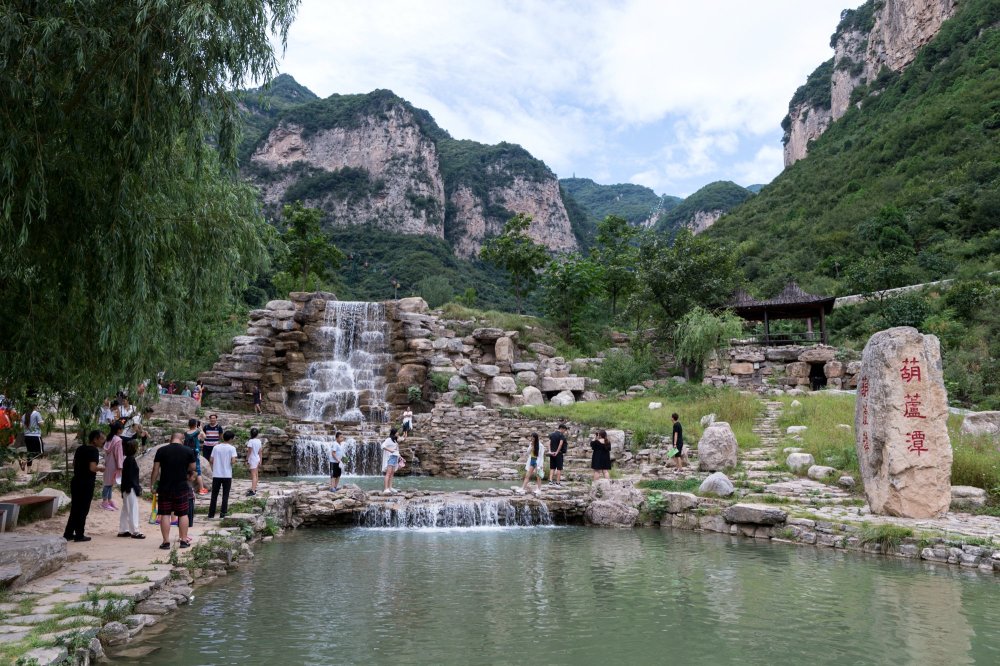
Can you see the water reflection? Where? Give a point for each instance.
(580, 596)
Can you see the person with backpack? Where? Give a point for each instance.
(193, 437)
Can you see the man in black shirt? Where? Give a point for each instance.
(677, 440)
(172, 465)
(85, 469)
(557, 451)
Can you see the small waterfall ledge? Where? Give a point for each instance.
(308, 506)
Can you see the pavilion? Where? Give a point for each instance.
(791, 303)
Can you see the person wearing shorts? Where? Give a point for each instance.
(557, 453)
(254, 446)
(391, 460)
(677, 439)
(172, 466)
(336, 457)
(407, 422)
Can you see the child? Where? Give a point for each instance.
(336, 457)
(113, 459)
(253, 459)
(223, 456)
(534, 465)
(128, 521)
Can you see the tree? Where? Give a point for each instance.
(616, 254)
(123, 225)
(312, 259)
(436, 290)
(570, 284)
(694, 271)
(515, 252)
(701, 332)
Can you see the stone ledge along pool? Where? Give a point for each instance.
(576, 595)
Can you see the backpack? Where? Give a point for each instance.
(191, 440)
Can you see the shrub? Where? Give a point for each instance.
(887, 537)
(439, 380)
(622, 369)
(414, 394)
(436, 290)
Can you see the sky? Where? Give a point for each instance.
(669, 94)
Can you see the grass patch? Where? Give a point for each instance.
(691, 402)
(829, 444)
(530, 329)
(887, 537)
(670, 485)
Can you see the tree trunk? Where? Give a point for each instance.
(65, 444)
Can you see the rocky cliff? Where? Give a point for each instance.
(703, 208)
(880, 35)
(375, 160)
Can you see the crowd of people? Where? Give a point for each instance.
(176, 477)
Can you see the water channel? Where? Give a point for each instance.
(575, 595)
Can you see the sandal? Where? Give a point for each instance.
(165, 546)
(124, 534)
(183, 544)
(137, 536)
(187, 541)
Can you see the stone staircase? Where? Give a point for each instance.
(760, 461)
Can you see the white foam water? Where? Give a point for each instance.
(485, 513)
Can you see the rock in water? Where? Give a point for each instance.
(717, 484)
(610, 514)
(900, 421)
(717, 447)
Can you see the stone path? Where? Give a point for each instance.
(760, 462)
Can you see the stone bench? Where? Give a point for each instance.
(12, 508)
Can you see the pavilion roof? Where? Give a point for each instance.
(792, 303)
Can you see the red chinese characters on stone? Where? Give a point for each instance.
(864, 414)
(911, 407)
(910, 371)
(915, 440)
(864, 387)
(865, 442)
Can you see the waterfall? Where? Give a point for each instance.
(348, 384)
(311, 456)
(451, 514)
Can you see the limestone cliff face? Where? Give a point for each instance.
(901, 28)
(404, 192)
(375, 160)
(807, 123)
(880, 33)
(702, 220)
(550, 224)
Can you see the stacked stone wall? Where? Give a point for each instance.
(771, 369)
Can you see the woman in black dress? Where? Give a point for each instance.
(600, 459)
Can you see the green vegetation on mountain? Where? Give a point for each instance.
(635, 203)
(721, 195)
(911, 179)
(262, 105)
(815, 92)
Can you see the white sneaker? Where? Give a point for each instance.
(519, 491)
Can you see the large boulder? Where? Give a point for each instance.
(532, 396)
(617, 440)
(679, 502)
(603, 513)
(490, 335)
(964, 498)
(504, 385)
(554, 384)
(175, 406)
(900, 425)
(412, 305)
(25, 557)
(503, 350)
(800, 461)
(982, 423)
(146, 467)
(818, 354)
(820, 472)
(754, 515)
(717, 484)
(562, 399)
(717, 448)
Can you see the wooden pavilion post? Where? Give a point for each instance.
(767, 329)
(822, 325)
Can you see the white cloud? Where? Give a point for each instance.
(571, 80)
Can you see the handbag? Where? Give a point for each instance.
(672, 451)
(152, 516)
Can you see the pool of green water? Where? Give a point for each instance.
(410, 482)
(575, 595)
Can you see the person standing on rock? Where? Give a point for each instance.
(114, 457)
(256, 399)
(336, 457)
(254, 446)
(600, 459)
(81, 487)
(128, 521)
(213, 434)
(391, 460)
(534, 466)
(557, 453)
(171, 466)
(677, 441)
(407, 422)
(223, 456)
(193, 439)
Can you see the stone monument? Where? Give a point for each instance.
(900, 421)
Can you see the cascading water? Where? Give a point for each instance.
(450, 514)
(347, 385)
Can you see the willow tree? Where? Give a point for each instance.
(124, 229)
